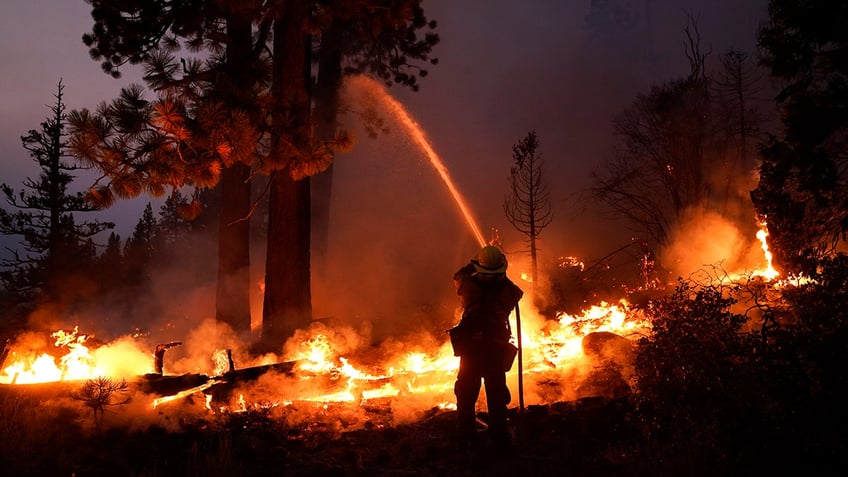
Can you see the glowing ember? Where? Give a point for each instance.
(185, 393)
(568, 262)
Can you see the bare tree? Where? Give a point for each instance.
(681, 146)
(100, 393)
(736, 88)
(528, 204)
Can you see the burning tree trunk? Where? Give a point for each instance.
(159, 355)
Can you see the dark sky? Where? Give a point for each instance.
(505, 67)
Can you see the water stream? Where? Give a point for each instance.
(416, 132)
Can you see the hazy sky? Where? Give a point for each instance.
(505, 67)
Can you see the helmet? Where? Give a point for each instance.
(490, 260)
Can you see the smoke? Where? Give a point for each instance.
(396, 234)
(706, 239)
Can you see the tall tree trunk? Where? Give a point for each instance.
(232, 304)
(326, 100)
(288, 292)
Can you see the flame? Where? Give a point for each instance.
(552, 351)
(769, 273)
(329, 377)
(425, 375)
(73, 359)
(76, 363)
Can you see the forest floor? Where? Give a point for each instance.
(569, 438)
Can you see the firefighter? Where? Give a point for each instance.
(482, 340)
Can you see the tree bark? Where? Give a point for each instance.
(326, 110)
(232, 304)
(288, 292)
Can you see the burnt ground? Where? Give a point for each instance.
(588, 437)
(552, 439)
(573, 438)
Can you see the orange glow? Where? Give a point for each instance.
(326, 369)
(72, 359)
(769, 273)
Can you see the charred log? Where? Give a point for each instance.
(159, 355)
(168, 385)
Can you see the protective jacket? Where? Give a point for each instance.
(487, 301)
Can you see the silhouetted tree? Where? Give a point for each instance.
(110, 263)
(141, 247)
(737, 87)
(100, 393)
(528, 204)
(174, 226)
(54, 246)
(673, 142)
(802, 193)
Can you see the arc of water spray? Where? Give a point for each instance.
(417, 133)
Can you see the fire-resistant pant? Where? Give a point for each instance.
(473, 368)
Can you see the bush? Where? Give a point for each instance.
(713, 398)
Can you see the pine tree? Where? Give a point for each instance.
(54, 247)
(110, 263)
(173, 224)
(528, 203)
(235, 114)
(140, 250)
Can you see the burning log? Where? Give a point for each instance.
(253, 373)
(159, 355)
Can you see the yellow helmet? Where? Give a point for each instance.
(490, 260)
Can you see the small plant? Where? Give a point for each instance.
(101, 392)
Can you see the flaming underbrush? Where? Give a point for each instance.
(739, 376)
